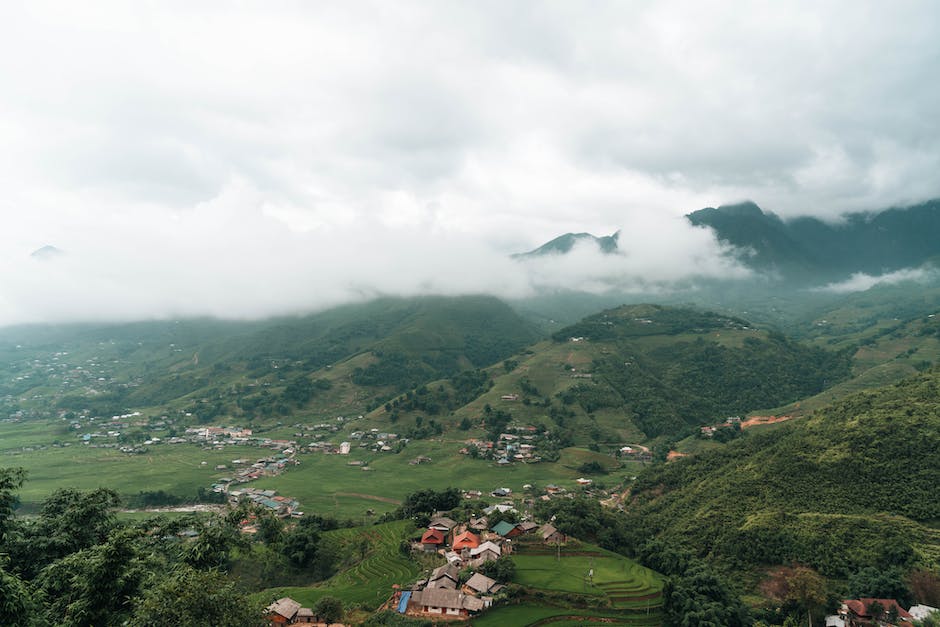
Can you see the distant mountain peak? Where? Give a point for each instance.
(564, 243)
(47, 252)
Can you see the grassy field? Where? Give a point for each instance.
(368, 583)
(327, 484)
(622, 582)
(176, 469)
(530, 614)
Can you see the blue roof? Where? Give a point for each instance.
(403, 603)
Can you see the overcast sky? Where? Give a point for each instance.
(246, 158)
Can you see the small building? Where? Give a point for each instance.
(282, 612)
(859, 612)
(442, 523)
(504, 528)
(465, 540)
(551, 535)
(446, 576)
(481, 584)
(488, 551)
(444, 602)
(432, 539)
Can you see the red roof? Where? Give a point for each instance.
(466, 540)
(432, 536)
(859, 607)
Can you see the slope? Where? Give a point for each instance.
(852, 486)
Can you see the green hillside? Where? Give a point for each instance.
(637, 372)
(808, 249)
(850, 487)
(256, 369)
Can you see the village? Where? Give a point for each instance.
(472, 573)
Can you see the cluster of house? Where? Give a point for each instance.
(270, 466)
(467, 545)
(866, 612)
(507, 449)
(281, 506)
(373, 440)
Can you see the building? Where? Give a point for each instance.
(432, 539)
(866, 611)
(444, 602)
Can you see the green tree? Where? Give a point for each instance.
(191, 598)
(807, 589)
(11, 479)
(329, 609)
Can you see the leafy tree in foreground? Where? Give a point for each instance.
(329, 609)
(192, 598)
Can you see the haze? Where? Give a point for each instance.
(254, 159)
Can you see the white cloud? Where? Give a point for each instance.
(861, 282)
(172, 147)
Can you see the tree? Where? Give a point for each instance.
(93, 586)
(502, 569)
(329, 609)
(807, 589)
(15, 601)
(11, 479)
(192, 598)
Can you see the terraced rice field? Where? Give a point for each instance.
(591, 571)
(369, 582)
(526, 615)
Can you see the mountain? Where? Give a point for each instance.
(564, 243)
(46, 252)
(638, 372)
(343, 359)
(851, 487)
(807, 249)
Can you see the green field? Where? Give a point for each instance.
(174, 468)
(621, 581)
(327, 484)
(368, 583)
(531, 614)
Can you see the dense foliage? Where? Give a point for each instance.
(671, 387)
(840, 491)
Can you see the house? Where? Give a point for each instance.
(444, 602)
(478, 524)
(442, 523)
(453, 558)
(465, 540)
(861, 612)
(584, 482)
(505, 528)
(305, 616)
(282, 612)
(502, 508)
(446, 576)
(486, 552)
(527, 526)
(501, 492)
(432, 539)
(550, 535)
(481, 584)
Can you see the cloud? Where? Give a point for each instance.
(861, 282)
(387, 128)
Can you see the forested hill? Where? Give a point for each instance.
(673, 368)
(809, 249)
(261, 368)
(851, 487)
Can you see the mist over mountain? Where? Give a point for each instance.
(808, 249)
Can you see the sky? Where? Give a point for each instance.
(247, 158)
